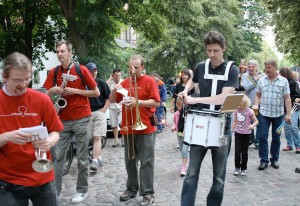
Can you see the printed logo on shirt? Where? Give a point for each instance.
(22, 112)
(241, 119)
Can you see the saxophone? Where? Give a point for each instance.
(61, 102)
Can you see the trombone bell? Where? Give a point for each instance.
(139, 126)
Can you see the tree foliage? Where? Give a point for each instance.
(285, 19)
(26, 27)
(186, 23)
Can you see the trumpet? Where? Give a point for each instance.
(42, 164)
(61, 102)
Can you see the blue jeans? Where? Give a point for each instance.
(17, 195)
(263, 133)
(292, 131)
(219, 160)
(159, 113)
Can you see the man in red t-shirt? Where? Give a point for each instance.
(143, 98)
(22, 107)
(75, 116)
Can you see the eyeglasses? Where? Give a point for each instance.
(21, 81)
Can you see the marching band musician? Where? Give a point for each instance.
(75, 116)
(22, 107)
(139, 144)
(212, 95)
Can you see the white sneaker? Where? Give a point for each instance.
(79, 197)
(237, 171)
(244, 173)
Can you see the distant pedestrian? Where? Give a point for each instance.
(242, 127)
(179, 128)
(98, 124)
(291, 131)
(163, 98)
(115, 109)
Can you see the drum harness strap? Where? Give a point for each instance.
(215, 78)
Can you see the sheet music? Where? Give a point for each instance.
(123, 91)
(38, 132)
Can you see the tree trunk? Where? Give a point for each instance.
(68, 8)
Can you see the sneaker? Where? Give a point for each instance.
(158, 131)
(287, 148)
(147, 200)
(244, 173)
(79, 197)
(94, 166)
(183, 172)
(298, 150)
(116, 143)
(126, 195)
(177, 146)
(237, 171)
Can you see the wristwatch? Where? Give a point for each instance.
(140, 102)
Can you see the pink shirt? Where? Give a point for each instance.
(243, 120)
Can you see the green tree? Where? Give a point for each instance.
(285, 18)
(26, 27)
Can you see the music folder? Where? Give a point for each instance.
(231, 103)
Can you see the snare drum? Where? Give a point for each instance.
(205, 128)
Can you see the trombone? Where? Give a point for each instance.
(138, 125)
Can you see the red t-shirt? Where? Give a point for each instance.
(28, 110)
(147, 89)
(78, 106)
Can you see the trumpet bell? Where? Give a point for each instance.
(139, 126)
(42, 165)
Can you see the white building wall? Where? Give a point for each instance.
(50, 63)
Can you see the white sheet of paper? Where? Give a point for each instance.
(38, 132)
(123, 91)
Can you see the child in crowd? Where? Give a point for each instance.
(242, 127)
(179, 127)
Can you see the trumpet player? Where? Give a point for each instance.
(75, 116)
(22, 107)
(139, 136)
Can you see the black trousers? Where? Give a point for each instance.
(241, 150)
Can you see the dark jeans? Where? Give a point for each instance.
(263, 133)
(159, 113)
(17, 195)
(241, 150)
(219, 161)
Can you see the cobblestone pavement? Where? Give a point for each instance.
(271, 187)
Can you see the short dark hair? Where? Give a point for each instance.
(214, 37)
(116, 71)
